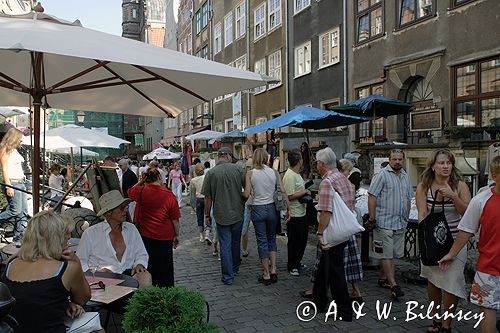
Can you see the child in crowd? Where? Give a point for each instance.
(483, 212)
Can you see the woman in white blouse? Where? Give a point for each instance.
(13, 175)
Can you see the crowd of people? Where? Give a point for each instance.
(230, 196)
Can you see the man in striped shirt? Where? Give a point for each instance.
(389, 204)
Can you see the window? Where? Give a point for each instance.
(274, 14)
(228, 29)
(204, 15)
(274, 69)
(230, 125)
(303, 59)
(240, 18)
(189, 43)
(457, 3)
(217, 38)
(260, 21)
(204, 52)
(198, 21)
(260, 68)
(410, 11)
(476, 95)
(300, 5)
(369, 19)
(329, 50)
(372, 128)
(241, 62)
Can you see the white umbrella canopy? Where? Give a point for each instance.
(85, 137)
(205, 135)
(84, 152)
(51, 142)
(56, 63)
(118, 75)
(161, 154)
(9, 111)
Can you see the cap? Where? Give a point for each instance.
(225, 151)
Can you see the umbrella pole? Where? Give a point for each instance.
(37, 94)
(81, 156)
(307, 136)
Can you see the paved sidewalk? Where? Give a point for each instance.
(247, 306)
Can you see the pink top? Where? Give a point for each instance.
(175, 175)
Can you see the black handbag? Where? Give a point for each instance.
(434, 236)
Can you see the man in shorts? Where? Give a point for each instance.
(389, 204)
(483, 212)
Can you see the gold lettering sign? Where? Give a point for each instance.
(428, 120)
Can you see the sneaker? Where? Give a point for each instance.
(396, 291)
(383, 283)
(294, 272)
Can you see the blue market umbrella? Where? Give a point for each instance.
(308, 118)
(374, 106)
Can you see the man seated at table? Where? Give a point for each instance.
(114, 245)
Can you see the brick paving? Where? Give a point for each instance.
(247, 306)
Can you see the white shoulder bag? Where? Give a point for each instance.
(343, 223)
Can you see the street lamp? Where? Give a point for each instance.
(80, 116)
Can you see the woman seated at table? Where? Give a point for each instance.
(43, 274)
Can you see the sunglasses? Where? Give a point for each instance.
(98, 285)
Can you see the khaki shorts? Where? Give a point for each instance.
(388, 244)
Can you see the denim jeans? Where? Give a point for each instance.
(229, 242)
(177, 189)
(265, 218)
(17, 211)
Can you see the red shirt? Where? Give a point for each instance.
(158, 208)
(489, 238)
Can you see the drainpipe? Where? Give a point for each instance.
(287, 102)
(344, 48)
(247, 21)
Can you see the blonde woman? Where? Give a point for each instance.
(13, 175)
(46, 278)
(261, 181)
(443, 186)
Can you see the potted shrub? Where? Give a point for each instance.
(175, 310)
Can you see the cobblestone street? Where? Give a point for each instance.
(248, 306)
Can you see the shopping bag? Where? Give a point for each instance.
(434, 237)
(342, 225)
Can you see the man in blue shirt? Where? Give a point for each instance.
(389, 204)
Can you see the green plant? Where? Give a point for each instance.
(162, 310)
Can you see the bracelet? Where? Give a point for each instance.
(319, 234)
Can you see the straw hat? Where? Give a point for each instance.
(110, 200)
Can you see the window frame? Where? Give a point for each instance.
(260, 89)
(204, 15)
(198, 21)
(273, 54)
(269, 14)
(400, 26)
(295, 60)
(359, 14)
(320, 48)
(262, 22)
(371, 126)
(226, 41)
(218, 38)
(295, 11)
(476, 98)
(454, 4)
(240, 20)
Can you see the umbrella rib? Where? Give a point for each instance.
(13, 83)
(95, 85)
(77, 75)
(128, 83)
(171, 83)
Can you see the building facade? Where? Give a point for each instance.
(428, 53)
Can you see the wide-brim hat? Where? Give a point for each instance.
(110, 200)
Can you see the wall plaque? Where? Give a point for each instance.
(428, 120)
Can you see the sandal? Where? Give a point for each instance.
(265, 282)
(436, 327)
(306, 295)
(274, 277)
(384, 283)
